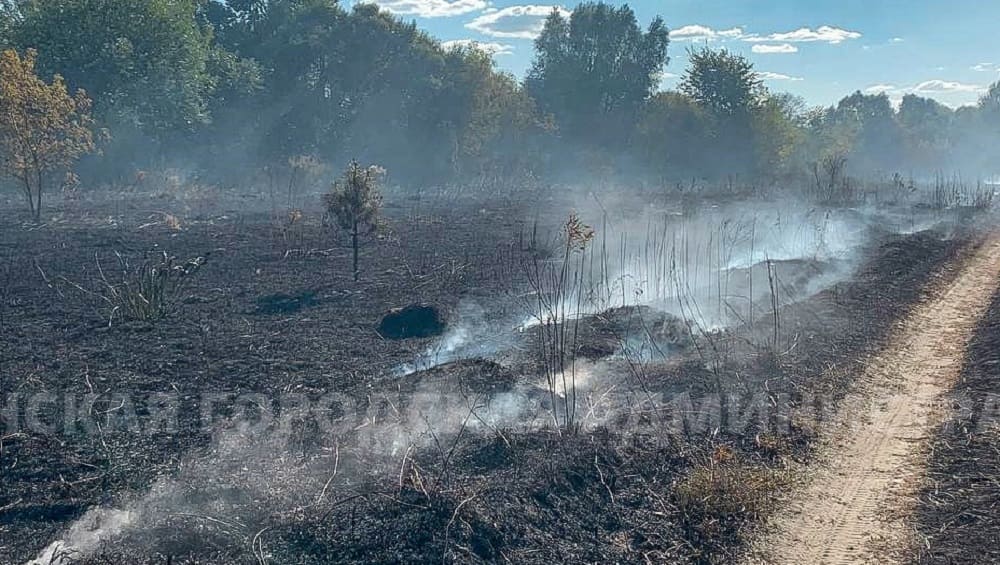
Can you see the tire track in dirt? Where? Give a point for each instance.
(855, 508)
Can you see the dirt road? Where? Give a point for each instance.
(856, 508)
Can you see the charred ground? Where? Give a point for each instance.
(275, 311)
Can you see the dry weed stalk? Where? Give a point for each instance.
(558, 290)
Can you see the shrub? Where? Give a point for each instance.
(148, 290)
(354, 203)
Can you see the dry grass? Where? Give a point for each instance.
(725, 494)
(147, 290)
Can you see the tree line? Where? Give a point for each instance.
(230, 89)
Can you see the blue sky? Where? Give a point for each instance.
(821, 50)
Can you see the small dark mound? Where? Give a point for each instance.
(415, 320)
(465, 375)
(281, 303)
(604, 334)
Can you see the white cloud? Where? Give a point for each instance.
(880, 88)
(782, 41)
(896, 40)
(827, 34)
(947, 92)
(704, 33)
(517, 22)
(894, 93)
(986, 68)
(767, 75)
(767, 49)
(490, 47)
(432, 8)
(937, 86)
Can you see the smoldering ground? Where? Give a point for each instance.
(290, 457)
(273, 460)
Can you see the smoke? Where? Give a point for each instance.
(716, 266)
(253, 475)
(261, 472)
(710, 268)
(85, 536)
(471, 334)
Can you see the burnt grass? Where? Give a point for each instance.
(275, 311)
(958, 514)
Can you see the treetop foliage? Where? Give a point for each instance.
(597, 69)
(226, 89)
(355, 200)
(723, 83)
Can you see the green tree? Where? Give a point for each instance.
(10, 14)
(778, 126)
(990, 102)
(492, 119)
(43, 130)
(672, 136)
(594, 72)
(366, 84)
(926, 130)
(724, 83)
(876, 138)
(154, 72)
(727, 87)
(984, 133)
(144, 61)
(354, 203)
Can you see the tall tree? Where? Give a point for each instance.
(10, 13)
(144, 61)
(926, 130)
(876, 138)
(724, 83)
(672, 137)
(151, 67)
(987, 131)
(990, 102)
(778, 132)
(594, 72)
(727, 87)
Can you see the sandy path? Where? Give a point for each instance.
(855, 508)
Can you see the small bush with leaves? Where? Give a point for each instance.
(354, 203)
(148, 290)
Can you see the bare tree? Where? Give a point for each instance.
(830, 179)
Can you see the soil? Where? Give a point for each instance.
(275, 311)
(857, 506)
(957, 519)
